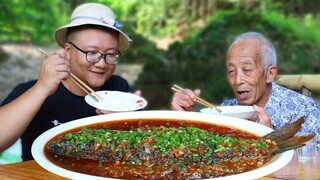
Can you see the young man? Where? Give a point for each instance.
(92, 42)
(251, 69)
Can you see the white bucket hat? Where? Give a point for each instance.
(95, 14)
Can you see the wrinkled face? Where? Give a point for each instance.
(93, 74)
(245, 72)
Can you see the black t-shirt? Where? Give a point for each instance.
(62, 106)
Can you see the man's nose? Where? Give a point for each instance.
(102, 62)
(239, 77)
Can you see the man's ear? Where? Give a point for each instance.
(272, 73)
(67, 49)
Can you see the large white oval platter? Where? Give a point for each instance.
(279, 161)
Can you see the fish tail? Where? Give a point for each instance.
(285, 138)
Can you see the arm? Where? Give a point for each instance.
(16, 115)
(184, 100)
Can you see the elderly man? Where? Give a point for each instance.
(251, 69)
(92, 42)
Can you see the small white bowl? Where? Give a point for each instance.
(243, 112)
(117, 101)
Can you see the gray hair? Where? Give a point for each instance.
(268, 53)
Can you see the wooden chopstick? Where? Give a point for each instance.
(199, 100)
(78, 82)
(83, 86)
(84, 89)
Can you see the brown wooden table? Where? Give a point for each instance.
(294, 170)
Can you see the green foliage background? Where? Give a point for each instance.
(30, 20)
(205, 28)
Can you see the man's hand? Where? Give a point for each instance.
(53, 70)
(138, 93)
(184, 100)
(262, 116)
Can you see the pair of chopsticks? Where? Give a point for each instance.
(199, 100)
(78, 82)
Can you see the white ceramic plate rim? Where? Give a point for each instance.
(107, 108)
(232, 109)
(245, 112)
(279, 161)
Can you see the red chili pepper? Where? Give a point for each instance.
(140, 101)
(200, 148)
(263, 151)
(149, 140)
(175, 152)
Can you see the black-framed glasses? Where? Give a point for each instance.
(96, 56)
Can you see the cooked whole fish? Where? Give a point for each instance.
(185, 144)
